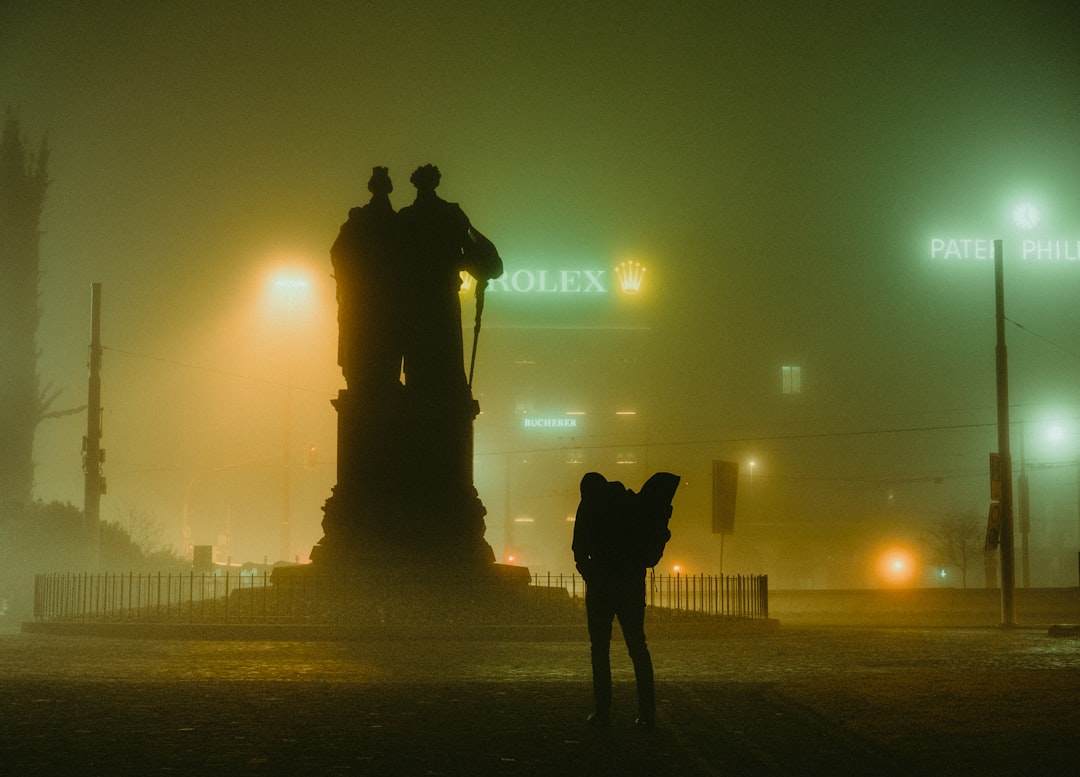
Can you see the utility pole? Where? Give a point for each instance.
(1023, 507)
(93, 453)
(1023, 511)
(1008, 571)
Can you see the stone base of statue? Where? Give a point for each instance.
(404, 498)
(403, 530)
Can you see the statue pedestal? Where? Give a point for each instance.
(404, 497)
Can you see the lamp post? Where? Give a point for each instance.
(291, 287)
(1055, 449)
(1008, 572)
(1061, 435)
(751, 494)
(1023, 507)
(93, 454)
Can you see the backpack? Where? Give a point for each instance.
(652, 511)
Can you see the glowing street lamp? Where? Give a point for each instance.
(294, 288)
(1055, 434)
(896, 567)
(1026, 215)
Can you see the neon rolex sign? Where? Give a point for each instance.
(627, 278)
(551, 282)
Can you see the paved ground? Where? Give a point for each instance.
(781, 701)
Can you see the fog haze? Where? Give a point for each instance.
(780, 170)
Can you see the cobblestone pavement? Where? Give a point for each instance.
(780, 701)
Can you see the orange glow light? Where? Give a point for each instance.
(896, 567)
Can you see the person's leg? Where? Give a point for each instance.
(599, 612)
(631, 614)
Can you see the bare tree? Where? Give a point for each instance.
(23, 403)
(142, 527)
(957, 540)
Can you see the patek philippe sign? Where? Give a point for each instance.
(1030, 247)
(981, 249)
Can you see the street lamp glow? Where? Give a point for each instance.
(291, 288)
(1026, 215)
(896, 567)
(290, 283)
(1056, 437)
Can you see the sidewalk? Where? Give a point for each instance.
(780, 701)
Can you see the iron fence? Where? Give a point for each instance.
(226, 596)
(739, 596)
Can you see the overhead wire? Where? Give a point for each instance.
(1046, 340)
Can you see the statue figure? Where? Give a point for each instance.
(405, 491)
(365, 258)
(438, 242)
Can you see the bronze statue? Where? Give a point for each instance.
(405, 494)
(438, 243)
(370, 292)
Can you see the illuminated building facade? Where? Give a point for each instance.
(559, 381)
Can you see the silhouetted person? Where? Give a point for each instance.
(608, 555)
(369, 292)
(438, 244)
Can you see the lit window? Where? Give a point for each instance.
(792, 379)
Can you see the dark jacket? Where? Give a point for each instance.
(604, 538)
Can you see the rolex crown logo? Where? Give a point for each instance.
(630, 274)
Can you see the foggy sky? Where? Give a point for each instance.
(781, 168)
